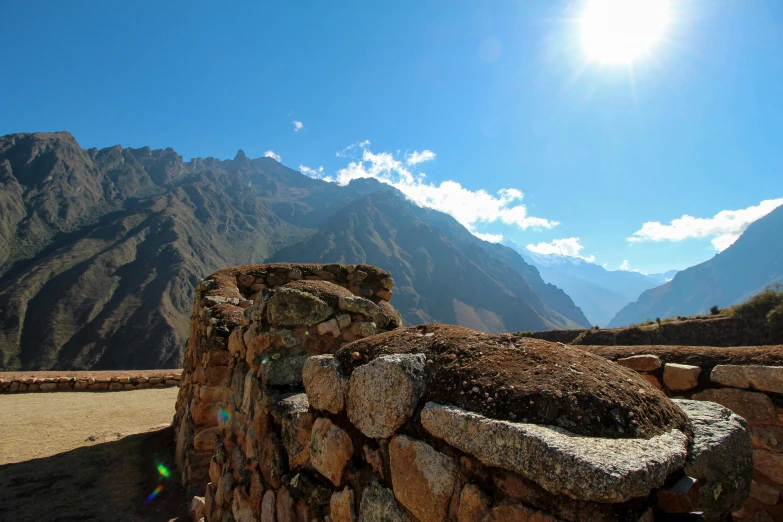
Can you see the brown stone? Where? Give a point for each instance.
(80, 385)
(769, 464)
(767, 437)
(236, 345)
(128, 386)
(212, 393)
(730, 375)
(325, 384)
(516, 513)
(652, 379)
(680, 497)
(205, 413)
(752, 406)
(196, 508)
(272, 460)
(112, 385)
(641, 363)
(241, 507)
(330, 450)
(343, 506)
(423, 478)
(156, 380)
(142, 379)
(268, 507)
(329, 327)
(246, 280)
(681, 376)
(764, 378)
(766, 494)
(285, 506)
(473, 504)
(215, 375)
(374, 459)
(204, 440)
(215, 470)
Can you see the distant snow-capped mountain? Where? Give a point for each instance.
(600, 293)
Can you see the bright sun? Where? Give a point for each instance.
(619, 31)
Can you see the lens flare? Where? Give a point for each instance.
(307, 332)
(154, 494)
(164, 471)
(224, 415)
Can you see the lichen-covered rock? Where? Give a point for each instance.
(383, 394)
(585, 468)
(325, 384)
(720, 457)
(330, 450)
(423, 479)
(379, 505)
(359, 305)
(285, 370)
(290, 307)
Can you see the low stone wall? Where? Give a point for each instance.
(89, 381)
(748, 381)
(710, 331)
(253, 327)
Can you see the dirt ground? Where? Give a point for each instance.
(71, 456)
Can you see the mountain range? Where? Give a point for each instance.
(100, 250)
(600, 293)
(752, 263)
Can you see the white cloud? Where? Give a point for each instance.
(625, 266)
(298, 125)
(492, 238)
(271, 154)
(469, 207)
(419, 157)
(314, 173)
(569, 246)
(724, 227)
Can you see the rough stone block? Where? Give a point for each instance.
(681, 376)
(730, 375)
(423, 479)
(473, 504)
(268, 507)
(325, 384)
(767, 437)
(680, 497)
(641, 363)
(330, 450)
(342, 506)
(383, 393)
(769, 464)
(379, 505)
(585, 468)
(752, 406)
(291, 307)
(196, 508)
(764, 378)
(285, 370)
(509, 512)
(330, 328)
(719, 457)
(766, 494)
(296, 422)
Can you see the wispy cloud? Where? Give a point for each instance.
(271, 154)
(724, 227)
(314, 173)
(419, 157)
(472, 208)
(492, 238)
(625, 266)
(569, 246)
(298, 125)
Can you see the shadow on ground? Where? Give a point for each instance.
(108, 481)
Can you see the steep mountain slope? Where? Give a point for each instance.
(100, 250)
(600, 293)
(442, 276)
(753, 262)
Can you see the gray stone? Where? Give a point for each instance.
(730, 375)
(561, 462)
(358, 305)
(719, 458)
(268, 507)
(290, 307)
(365, 329)
(764, 378)
(383, 394)
(283, 371)
(378, 505)
(325, 383)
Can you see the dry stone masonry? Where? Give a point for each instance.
(90, 381)
(304, 399)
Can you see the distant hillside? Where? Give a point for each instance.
(598, 292)
(100, 250)
(744, 269)
(443, 273)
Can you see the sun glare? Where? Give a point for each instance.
(619, 31)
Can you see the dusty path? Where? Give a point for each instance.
(50, 469)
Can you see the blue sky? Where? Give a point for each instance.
(501, 95)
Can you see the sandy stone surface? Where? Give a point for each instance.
(39, 425)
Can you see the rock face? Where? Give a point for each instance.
(585, 468)
(383, 394)
(423, 478)
(720, 457)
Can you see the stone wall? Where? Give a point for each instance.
(89, 381)
(709, 331)
(253, 327)
(280, 418)
(748, 381)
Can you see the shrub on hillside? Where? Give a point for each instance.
(775, 322)
(758, 307)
